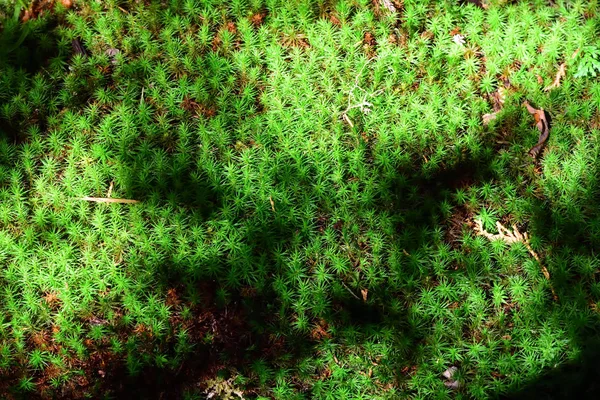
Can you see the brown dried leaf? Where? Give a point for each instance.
(541, 121)
(365, 293)
(487, 118)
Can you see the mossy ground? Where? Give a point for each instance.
(308, 176)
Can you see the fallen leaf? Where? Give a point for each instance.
(452, 384)
(487, 118)
(559, 75)
(541, 121)
(66, 3)
(27, 14)
(498, 98)
(112, 53)
(389, 5)
(365, 293)
(502, 95)
(449, 373)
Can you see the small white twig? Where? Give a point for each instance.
(108, 200)
(559, 75)
(359, 102)
(351, 292)
(510, 237)
(272, 203)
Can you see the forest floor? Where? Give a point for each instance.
(320, 199)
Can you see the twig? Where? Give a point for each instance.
(559, 75)
(108, 200)
(110, 189)
(347, 119)
(362, 103)
(513, 237)
(351, 292)
(272, 203)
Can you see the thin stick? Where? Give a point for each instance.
(108, 200)
(272, 203)
(513, 237)
(559, 75)
(351, 292)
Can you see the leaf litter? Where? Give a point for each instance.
(541, 121)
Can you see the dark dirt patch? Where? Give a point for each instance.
(460, 220)
(222, 340)
(197, 109)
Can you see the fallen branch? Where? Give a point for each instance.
(350, 290)
(108, 200)
(562, 69)
(559, 75)
(362, 103)
(511, 237)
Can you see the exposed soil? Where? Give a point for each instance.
(221, 339)
(455, 225)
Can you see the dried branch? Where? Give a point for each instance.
(559, 75)
(110, 189)
(361, 102)
(510, 237)
(108, 200)
(350, 290)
